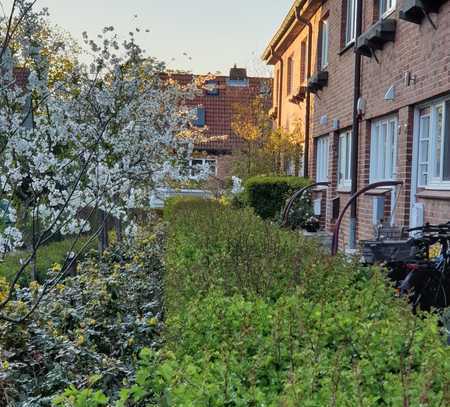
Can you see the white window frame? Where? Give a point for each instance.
(211, 161)
(324, 43)
(383, 149)
(387, 7)
(350, 21)
(322, 158)
(433, 181)
(344, 160)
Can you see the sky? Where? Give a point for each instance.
(200, 36)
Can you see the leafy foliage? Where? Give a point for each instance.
(323, 332)
(88, 333)
(218, 247)
(175, 204)
(268, 195)
(263, 149)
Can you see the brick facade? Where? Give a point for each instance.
(219, 109)
(416, 65)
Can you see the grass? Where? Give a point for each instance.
(54, 252)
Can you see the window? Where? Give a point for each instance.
(212, 88)
(324, 44)
(383, 149)
(350, 21)
(344, 162)
(302, 62)
(290, 73)
(386, 7)
(196, 166)
(434, 145)
(200, 120)
(322, 158)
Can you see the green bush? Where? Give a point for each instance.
(176, 203)
(211, 246)
(361, 348)
(87, 331)
(257, 316)
(268, 195)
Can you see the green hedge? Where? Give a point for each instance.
(258, 316)
(174, 204)
(267, 195)
(211, 245)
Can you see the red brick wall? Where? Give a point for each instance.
(419, 50)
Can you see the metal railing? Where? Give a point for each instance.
(354, 197)
(297, 195)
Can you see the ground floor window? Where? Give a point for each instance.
(322, 158)
(344, 161)
(433, 157)
(196, 166)
(383, 149)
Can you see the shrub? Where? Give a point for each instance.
(340, 340)
(176, 203)
(268, 195)
(210, 246)
(87, 331)
(258, 317)
(361, 348)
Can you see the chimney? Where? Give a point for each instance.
(238, 74)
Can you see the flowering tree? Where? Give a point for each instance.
(96, 138)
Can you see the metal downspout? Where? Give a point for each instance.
(355, 128)
(305, 21)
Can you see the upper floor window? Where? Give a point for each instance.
(344, 162)
(387, 7)
(350, 21)
(434, 146)
(302, 62)
(322, 158)
(383, 149)
(290, 74)
(212, 88)
(324, 44)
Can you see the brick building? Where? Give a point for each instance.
(215, 108)
(400, 111)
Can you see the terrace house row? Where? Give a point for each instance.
(375, 75)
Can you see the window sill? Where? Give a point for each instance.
(350, 45)
(344, 190)
(442, 195)
(320, 188)
(379, 191)
(387, 13)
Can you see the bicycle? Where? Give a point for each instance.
(425, 280)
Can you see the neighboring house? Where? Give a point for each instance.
(215, 107)
(403, 111)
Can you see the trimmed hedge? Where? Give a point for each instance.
(175, 204)
(258, 316)
(267, 195)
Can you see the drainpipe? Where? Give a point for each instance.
(303, 20)
(279, 84)
(355, 127)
